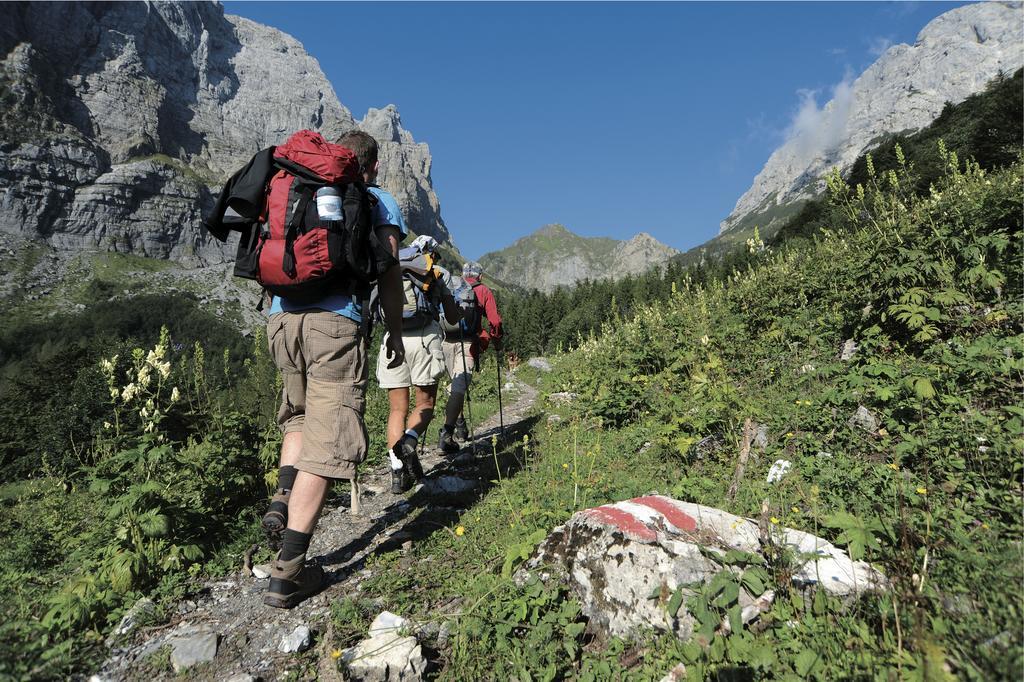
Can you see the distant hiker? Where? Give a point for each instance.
(317, 335)
(425, 297)
(463, 346)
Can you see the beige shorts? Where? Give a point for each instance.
(459, 363)
(322, 358)
(424, 362)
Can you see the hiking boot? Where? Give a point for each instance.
(446, 442)
(461, 430)
(292, 581)
(276, 517)
(405, 450)
(400, 481)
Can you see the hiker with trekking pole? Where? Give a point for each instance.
(462, 347)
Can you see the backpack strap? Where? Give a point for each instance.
(298, 211)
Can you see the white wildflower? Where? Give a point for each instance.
(164, 368)
(144, 377)
(114, 393)
(150, 405)
(175, 394)
(129, 392)
(144, 413)
(108, 425)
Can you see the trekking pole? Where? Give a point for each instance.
(465, 373)
(501, 416)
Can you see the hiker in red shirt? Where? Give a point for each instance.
(462, 354)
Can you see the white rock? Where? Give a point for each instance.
(562, 397)
(297, 640)
(863, 419)
(676, 674)
(848, 350)
(615, 556)
(261, 571)
(141, 610)
(387, 623)
(388, 654)
(539, 363)
(778, 470)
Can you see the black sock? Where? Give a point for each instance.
(293, 544)
(286, 477)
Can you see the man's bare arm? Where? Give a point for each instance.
(452, 311)
(390, 290)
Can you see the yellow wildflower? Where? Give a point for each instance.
(774, 520)
(922, 491)
(985, 526)
(796, 510)
(564, 465)
(894, 466)
(335, 654)
(460, 531)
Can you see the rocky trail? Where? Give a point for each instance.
(223, 631)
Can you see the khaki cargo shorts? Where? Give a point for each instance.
(459, 363)
(322, 358)
(424, 361)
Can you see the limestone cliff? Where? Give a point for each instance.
(954, 56)
(119, 121)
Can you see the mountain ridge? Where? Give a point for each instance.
(554, 256)
(954, 56)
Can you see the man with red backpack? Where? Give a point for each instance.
(325, 235)
(462, 349)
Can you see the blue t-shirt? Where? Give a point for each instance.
(385, 213)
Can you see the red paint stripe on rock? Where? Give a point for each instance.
(672, 513)
(624, 521)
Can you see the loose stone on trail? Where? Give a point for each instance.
(188, 651)
(387, 655)
(297, 640)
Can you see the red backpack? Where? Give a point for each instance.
(297, 254)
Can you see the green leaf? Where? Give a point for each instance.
(675, 602)
(805, 661)
(753, 582)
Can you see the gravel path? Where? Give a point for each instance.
(248, 633)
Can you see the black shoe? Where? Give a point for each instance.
(292, 581)
(446, 442)
(461, 430)
(405, 450)
(400, 481)
(276, 517)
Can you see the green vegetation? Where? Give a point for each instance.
(124, 425)
(929, 288)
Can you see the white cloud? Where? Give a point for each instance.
(817, 130)
(878, 45)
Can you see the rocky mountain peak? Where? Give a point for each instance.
(554, 256)
(954, 56)
(121, 120)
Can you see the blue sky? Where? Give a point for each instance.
(610, 118)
